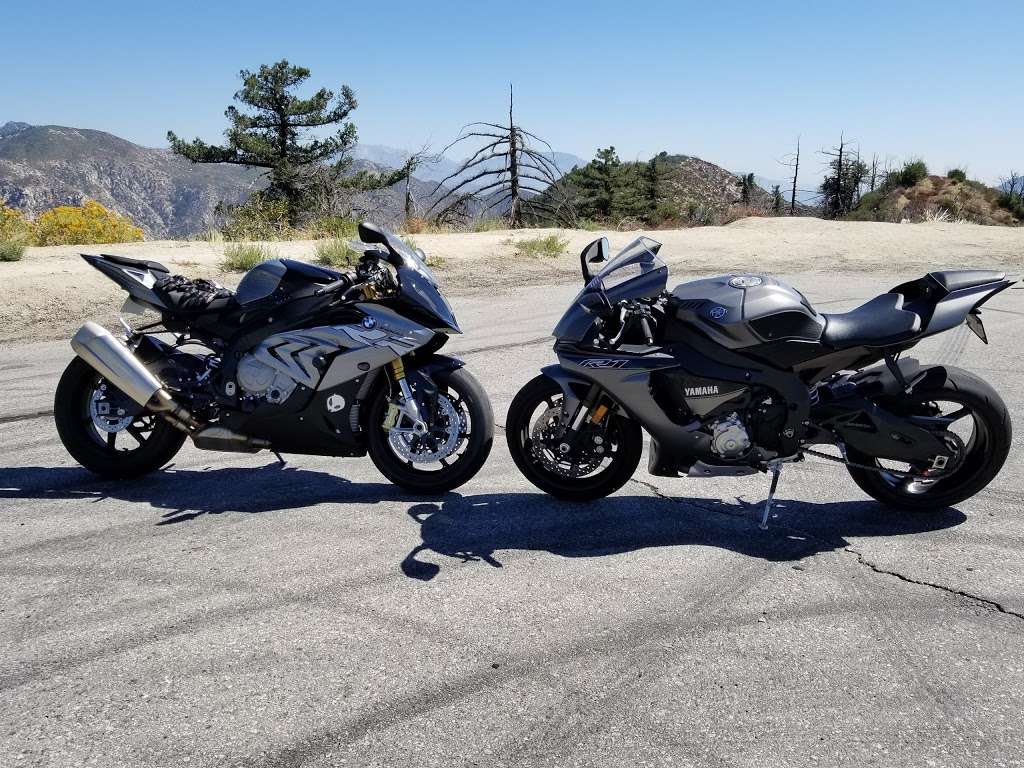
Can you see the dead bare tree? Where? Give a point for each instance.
(793, 161)
(414, 161)
(505, 174)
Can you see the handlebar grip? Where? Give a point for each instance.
(342, 282)
(646, 328)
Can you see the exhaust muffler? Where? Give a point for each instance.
(116, 363)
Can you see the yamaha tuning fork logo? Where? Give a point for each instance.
(717, 313)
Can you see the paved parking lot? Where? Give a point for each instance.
(228, 611)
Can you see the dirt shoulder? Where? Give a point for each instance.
(52, 291)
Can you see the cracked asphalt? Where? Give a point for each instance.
(231, 612)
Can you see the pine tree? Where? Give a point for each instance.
(273, 134)
(776, 200)
(598, 184)
(747, 188)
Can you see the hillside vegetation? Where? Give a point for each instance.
(914, 195)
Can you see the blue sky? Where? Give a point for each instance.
(732, 82)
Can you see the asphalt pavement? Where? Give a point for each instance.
(228, 611)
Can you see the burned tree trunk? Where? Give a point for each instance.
(506, 174)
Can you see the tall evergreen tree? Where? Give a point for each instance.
(598, 184)
(747, 188)
(271, 131)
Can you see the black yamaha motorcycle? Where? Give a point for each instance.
(739, 374)
(300, 359)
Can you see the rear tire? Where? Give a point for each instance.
(519, 424)
(71, 414)
(983, 456)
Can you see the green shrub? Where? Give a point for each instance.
(489, 225)
(258, 218)
(335, 227)
(545, 246)
(1013, 203)
(11, 251)
(336, 253)
(241, 257)
(912, 172)
(956, 174)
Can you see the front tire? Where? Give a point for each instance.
(623, 439)
(145, 443)
(470, 400)
(985, 448)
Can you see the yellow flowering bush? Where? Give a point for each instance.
(14, 227)
(83, 225)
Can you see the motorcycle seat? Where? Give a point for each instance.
(958, 279)
(877, 323)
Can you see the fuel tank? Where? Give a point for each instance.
(742, 311)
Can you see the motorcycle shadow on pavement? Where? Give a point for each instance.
(481, 527)
(186, 494)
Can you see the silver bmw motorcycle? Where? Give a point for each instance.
(300, 359)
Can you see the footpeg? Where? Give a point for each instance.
(775, 468)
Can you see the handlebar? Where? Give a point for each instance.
(632, 314)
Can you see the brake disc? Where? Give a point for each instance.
(108, 414)
(545, 445)
(431, 447)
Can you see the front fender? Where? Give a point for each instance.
(569, 384)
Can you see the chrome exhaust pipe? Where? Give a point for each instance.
(116, 363)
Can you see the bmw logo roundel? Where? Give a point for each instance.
(369, 323)
(717, 313)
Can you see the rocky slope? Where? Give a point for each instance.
(47, 165)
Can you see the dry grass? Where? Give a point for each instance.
(544, 246)
(241, 257)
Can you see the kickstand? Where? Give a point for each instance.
(775, 468)
(279, 457)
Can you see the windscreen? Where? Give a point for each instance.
(634, 261)
(635, 273)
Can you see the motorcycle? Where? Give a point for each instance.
(739, 374)
(300, 359)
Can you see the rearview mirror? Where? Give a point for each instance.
(595, 253)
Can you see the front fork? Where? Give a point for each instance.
(404, 416)
(591, 410)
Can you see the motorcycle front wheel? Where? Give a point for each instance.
(583, 474)
(455, 446)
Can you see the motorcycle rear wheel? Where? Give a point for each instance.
(984, 452)
(145, 443)
(624, 441)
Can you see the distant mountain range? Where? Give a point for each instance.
(42, 166)
(46, 165)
